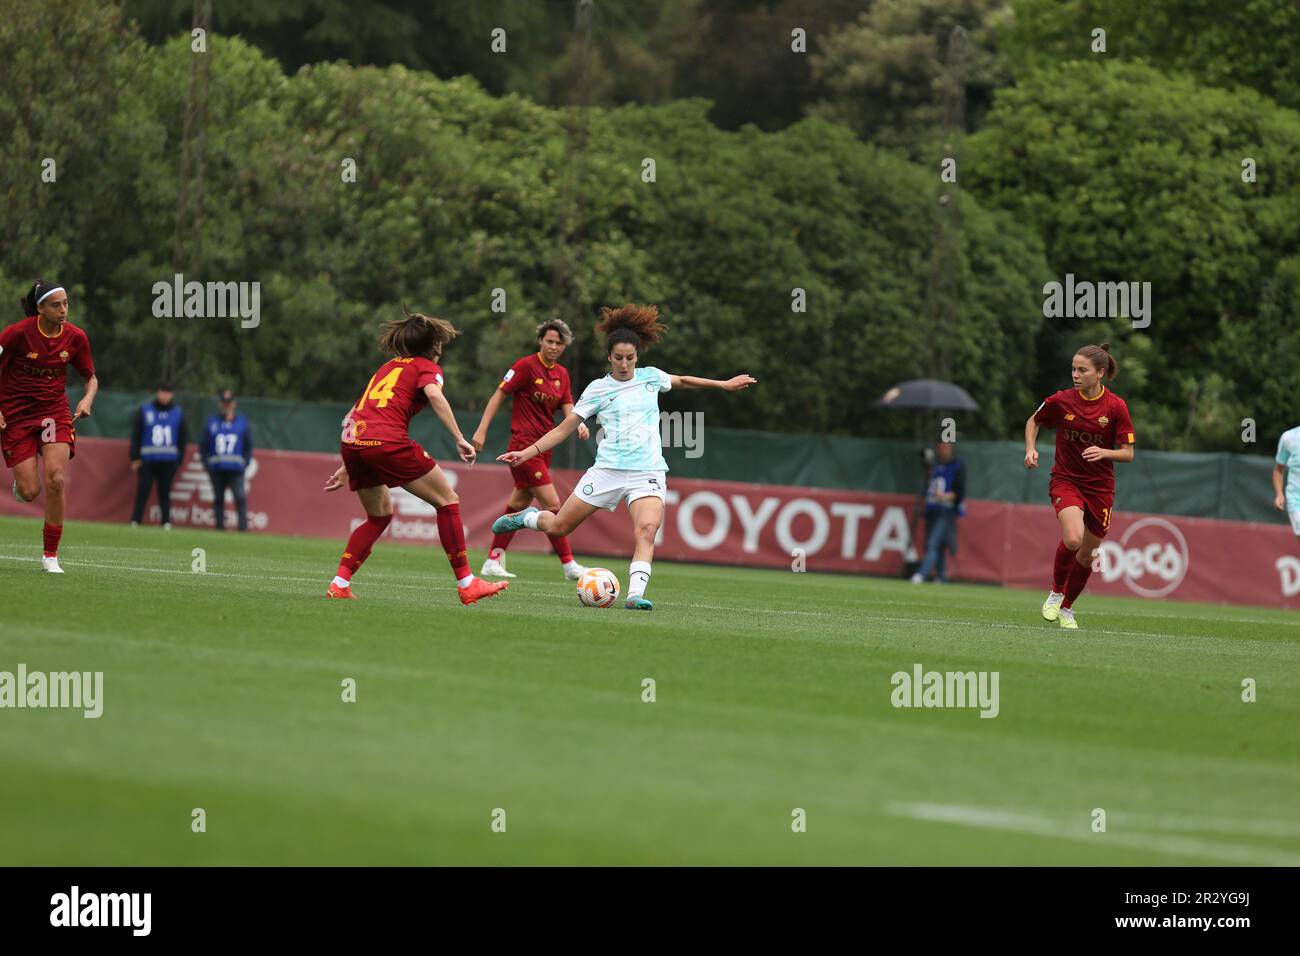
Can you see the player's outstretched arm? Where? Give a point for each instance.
(480, 433)
(1279, 479)
(545, 443)
(565, 411)
(438, 402)
(728, 385)
(1031, 439)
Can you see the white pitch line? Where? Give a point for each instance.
(947, 622)
(1016, 821)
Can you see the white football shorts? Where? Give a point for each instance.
(606, 487)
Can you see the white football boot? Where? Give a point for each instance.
(495, 568)
(1052, 606)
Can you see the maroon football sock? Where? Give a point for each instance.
(560, 543)
(1061, 567)
(359, 544)
(1077, 581)
(452, 535)
(53, 532)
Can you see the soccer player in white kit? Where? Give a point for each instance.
(1286, 468)
(630, 462)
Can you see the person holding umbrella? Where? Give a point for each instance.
(944, 504)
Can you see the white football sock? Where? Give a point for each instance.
(465, 581)
(638, 579)
(530, 519)
(341, 582)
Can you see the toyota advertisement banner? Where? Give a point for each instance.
(722, 522)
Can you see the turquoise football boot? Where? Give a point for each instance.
(512, 522)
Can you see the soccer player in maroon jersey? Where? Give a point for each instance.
(378, 452)
(540, 385)
(34, 415)
(1090, 420)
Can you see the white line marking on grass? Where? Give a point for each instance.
(384, 580)
(1034, 824)
(214, 574)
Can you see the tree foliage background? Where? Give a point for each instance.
(775, 171)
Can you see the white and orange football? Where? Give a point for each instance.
(598, 587)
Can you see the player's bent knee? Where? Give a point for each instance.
(1072, 542)
(55, 482)
(647, 530)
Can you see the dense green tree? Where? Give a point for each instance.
(887, 74)
(1132, 175)
(1251, 43)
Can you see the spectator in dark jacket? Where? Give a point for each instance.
(944, 504)
(158, 438)
(227, 450)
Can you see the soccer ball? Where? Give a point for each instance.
(598, 587)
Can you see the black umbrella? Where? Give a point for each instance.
(928, 393)
(919, 395)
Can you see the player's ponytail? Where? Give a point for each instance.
(636, 325)
(416, 336)
(1100, 358)
(41, 290)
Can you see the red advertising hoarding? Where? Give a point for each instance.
(723, 522)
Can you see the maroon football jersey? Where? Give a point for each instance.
(1079, 422)
(34, 369)
(394, 395)
(539, 391)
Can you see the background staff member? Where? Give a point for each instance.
(158, 439)
(227, 450)
(945, 494)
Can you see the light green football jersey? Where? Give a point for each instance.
(628, 414)
(1288, 454)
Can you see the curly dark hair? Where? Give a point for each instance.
(638, 325)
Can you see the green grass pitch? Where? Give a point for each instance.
(223, 691)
